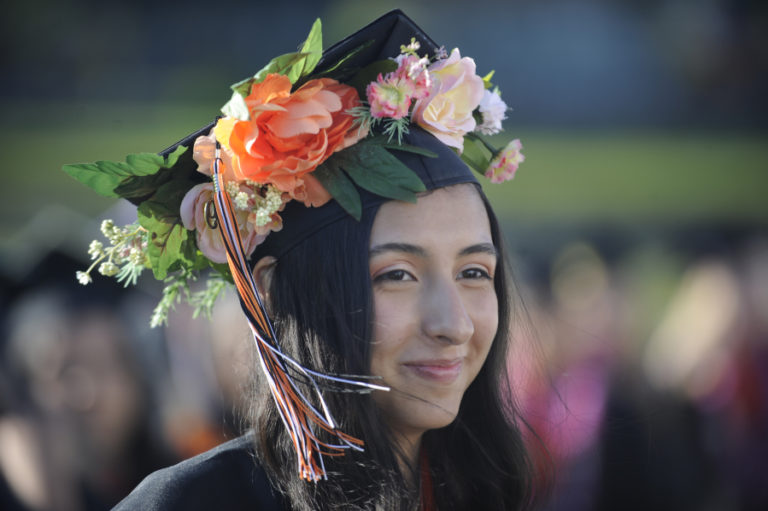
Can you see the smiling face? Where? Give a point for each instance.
(432, 266)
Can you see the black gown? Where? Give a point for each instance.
(227, 478)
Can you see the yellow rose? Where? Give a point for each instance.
(456, 92)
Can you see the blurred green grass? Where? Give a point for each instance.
(619, 176)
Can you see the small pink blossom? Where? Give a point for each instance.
(389, 97)
(504, 165)
(391, 94)
(413, 70)
(209, 240)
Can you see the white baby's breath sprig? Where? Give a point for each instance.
(124, 258)
(83, 278)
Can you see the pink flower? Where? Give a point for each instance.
(455, 93)
(413, 70)
(209, 240)
(494, 110)
(504, 165)
(389, 97)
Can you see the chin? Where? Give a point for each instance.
(416, 414)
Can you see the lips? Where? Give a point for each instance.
(443, 371)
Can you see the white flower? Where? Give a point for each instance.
(83, 278)
(96, 249)
(241, 200)
(136, 256)
(493, 110)
(108, 269)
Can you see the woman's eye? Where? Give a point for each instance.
(394, 275)
(475, 273)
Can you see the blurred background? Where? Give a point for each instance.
(637, 227)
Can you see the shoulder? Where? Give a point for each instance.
(227, 477)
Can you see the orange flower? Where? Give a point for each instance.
(289, 134)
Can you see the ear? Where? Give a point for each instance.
(262, 274)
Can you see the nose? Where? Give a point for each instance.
(444, 313)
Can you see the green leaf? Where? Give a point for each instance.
(384, 142)
(487, 79)
(137, 187)
(289, 64)
(236, 107)
(105, 177)
(375, 169)
(161, 218)
(174, 155)
(147, 163)
(313, 47)
(476, 155)
(372, 168)
(339, 186)
(94, 177)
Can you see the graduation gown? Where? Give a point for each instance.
(227, 478)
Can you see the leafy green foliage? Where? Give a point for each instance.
(168, 238)
(404, 147)
(106, 177)
(476, 154)
(340, 187)
(372, 167)
(313, 48)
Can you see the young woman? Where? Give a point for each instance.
(384, 361)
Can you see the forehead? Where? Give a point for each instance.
(446, 216)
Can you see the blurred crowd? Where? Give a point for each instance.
(92, 399)
(643, 368)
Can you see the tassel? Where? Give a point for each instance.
(299, 416)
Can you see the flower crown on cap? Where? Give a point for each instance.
(287, 134)
(292, 132)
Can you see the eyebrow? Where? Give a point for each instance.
(397, 247)
(483, 248)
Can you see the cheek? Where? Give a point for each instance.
(485, 318)
(390, 332)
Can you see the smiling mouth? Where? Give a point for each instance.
(437, 371)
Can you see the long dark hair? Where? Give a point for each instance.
(320, 298)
